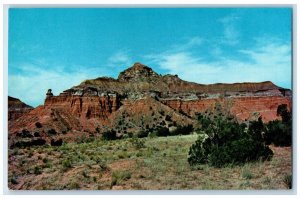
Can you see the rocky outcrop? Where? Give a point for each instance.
(16, 108)
(139, 100)
(138, 73)
(242, 107)
(142, 80)
(91, 106)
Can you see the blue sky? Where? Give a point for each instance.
(59, 48)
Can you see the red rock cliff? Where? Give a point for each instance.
(242, 107)
(141, 98)
(85, 106)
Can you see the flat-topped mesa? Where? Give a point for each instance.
(137, 99)
(242, 87)
(138, 72)
(139, 80)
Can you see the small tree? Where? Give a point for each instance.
(142, 133)
(161, 131)
(228, 142)
(256, 129)
(280, 132)
(109, 135)
(38, 125)
(183, 130)
(283, 112)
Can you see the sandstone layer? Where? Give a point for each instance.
(16, 108)
(140, 99)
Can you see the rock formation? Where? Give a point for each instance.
(140, 99)
(16, 108)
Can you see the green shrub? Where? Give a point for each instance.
(52, 132)
(204, 120)
(37, 170)
(168, 118)
(13, 180)
(278, 132)
(109, 135)
(130, 134)
(288, 180)
(256, 128)
(227, 142)
(182, 130)
(137, 143)
(162, 112)
(119, 176)
(36, 134)
(123, 155)
(85, 174)
(198, 152)
(142, 134)
(38, 125)
(45, 160)
(103, 166)
(182, 112)
(284, 113)
(246, 173)
(74, 185)
(161, 131)
(66, 164)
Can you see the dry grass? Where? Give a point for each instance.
(160, 164)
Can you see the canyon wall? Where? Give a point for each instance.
(242, 107)
(85, 106)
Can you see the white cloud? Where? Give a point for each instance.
(192, 42)
(270, 53)
(230, 35)
(32, 90)
(269, 62)
(230, 31)
(216, 51)
(187, 66)
(175, 50)
(31, 84)
(266, 60)
(30, 81)
(119, 58)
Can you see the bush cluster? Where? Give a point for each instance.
(119, 176)
(279, 132)
(162, 131)
(142, 134)
(38, 125)
(183, 130)
(138, 143)
(109, 135)
(52, 132)
(225, 142)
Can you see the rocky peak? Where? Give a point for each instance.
(138, 72)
